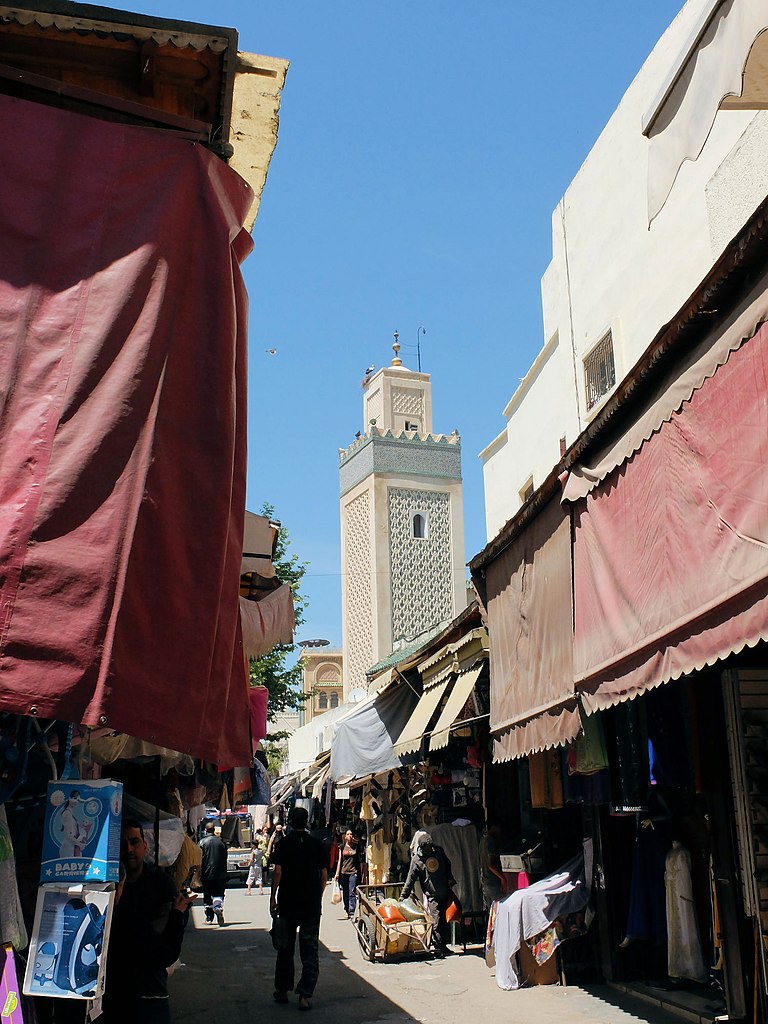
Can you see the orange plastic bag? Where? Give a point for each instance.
(390, 914)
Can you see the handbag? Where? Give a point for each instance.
(280, 933)
(336, 894)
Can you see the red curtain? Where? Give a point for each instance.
(122, 431)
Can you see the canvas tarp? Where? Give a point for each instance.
(122, 431)
(363, 740)
(529, 618)
(267, 622)
(671, 549)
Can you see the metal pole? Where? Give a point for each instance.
(157, 809)
(421, 330)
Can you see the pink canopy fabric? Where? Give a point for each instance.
(267, 622)
(122, 431)
(671, 549)
(257, 703)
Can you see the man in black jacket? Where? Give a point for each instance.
(431, 868)
(298, 884)
(213, 874)
(147, 931)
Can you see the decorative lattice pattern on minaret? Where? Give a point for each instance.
(422, 588)
(358, 589)
(407, 402)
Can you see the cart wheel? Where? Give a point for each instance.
(366, 938)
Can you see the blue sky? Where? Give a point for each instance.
(422, 148)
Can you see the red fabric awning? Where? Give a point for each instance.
(671, 549)
(530, 624)
(122, 431)
(257, 704)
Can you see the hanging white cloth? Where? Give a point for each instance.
(684, 956)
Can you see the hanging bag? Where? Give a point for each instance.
(280, 933)
(336, 894)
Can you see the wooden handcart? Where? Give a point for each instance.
(385, 939)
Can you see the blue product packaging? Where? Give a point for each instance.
(81, 840)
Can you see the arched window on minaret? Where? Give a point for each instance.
(419, 525)
(322, 701)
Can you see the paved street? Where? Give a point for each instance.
(227, 978)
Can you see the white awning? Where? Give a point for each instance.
(411, 736)
(457, 698)
(362, 742)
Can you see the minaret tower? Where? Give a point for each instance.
(402, 521)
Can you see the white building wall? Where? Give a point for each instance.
(611, 269)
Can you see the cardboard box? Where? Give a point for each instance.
(81, 839)
(68, 948)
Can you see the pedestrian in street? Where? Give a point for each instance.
(348, 871)
(492, 877)
(298, 883)
(274, 839)
(256, 865)
(213, 874)
(147, 931)
(431, 868)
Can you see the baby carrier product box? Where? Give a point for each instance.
(81, 839)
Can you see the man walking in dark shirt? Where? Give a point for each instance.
(298, 884)
(213, 874)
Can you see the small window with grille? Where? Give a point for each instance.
(599, 371)
(419, 525)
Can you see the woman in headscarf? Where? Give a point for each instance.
(431, 868)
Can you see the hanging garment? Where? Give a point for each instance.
(594, 789)
(546, 779)
(591, 754)
(367, 809)
(684, 956)
(668, 722)
(646, 918)
(379, 856)
(629, 759)
(11, 919)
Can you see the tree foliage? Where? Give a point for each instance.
(280, 669)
